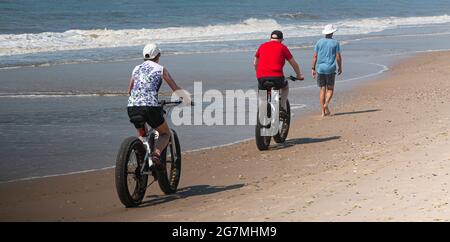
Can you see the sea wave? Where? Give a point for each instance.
(50, 94)
(61, 94)
(250, 29)
(297, 15)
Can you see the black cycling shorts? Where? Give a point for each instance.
(140, 115)
(279, 81)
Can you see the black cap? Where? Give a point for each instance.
(276, 34)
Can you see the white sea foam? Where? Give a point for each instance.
(250, 29)
(60, 94)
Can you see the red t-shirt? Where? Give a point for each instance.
(272, 56)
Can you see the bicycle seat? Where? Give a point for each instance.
(138, 121)
(270, 85)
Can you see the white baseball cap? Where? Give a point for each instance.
(329, 29)
(151, 50)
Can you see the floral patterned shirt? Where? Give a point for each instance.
(147, 81)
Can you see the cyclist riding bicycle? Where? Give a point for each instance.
(145, 81)
(269, 62)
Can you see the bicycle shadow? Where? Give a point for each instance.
(356, 112)
(300, 141)
(189, 191)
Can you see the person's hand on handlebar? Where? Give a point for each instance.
(184, 96)
(300, 77)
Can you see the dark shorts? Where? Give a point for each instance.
(325, 80)
(141, 115)
(279, 82)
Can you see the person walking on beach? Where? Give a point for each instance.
(269, 62)
(327, 53)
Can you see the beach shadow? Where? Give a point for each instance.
(356, 112)
(300, 141)
(188, 192)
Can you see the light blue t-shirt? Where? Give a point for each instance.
(326, 50)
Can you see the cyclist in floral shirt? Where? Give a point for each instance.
(145, 81)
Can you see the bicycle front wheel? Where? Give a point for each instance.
(169, 178)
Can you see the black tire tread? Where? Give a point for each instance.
(120, 173)
(278, 137)
(164, 182)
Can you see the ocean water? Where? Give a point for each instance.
(69, 31)
(65, 65)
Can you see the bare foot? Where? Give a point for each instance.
(326, 110)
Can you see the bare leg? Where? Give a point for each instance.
(329, 95)
(284, 96)
(141, 132)
(163, 140)
(322, 99)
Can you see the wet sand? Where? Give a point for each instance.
(382, 156)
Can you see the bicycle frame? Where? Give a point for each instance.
(273, 108)
(270, 118)
(146, 141)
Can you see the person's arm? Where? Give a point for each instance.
(168, 78)
(175, 88)
(339, 62)
(255, 62)
(313, 64)
(296, 68)
(130, 86)
(256, 59)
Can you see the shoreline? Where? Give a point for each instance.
(371, 75)
(348, 167)
(94, 108)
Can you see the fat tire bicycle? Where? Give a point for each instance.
(262, 141)
(134, 165)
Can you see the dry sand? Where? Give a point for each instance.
(383, 156)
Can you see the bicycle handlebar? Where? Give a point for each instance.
(292, 78)
(164, 102)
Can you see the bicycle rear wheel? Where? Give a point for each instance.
(285, 122)
(131, 184)
(262, 142)
(169, 178)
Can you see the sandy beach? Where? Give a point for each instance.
(382, 156)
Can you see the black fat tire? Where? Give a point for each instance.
(281, 136)
(262, 142)
(169, 178)
(121, 173)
